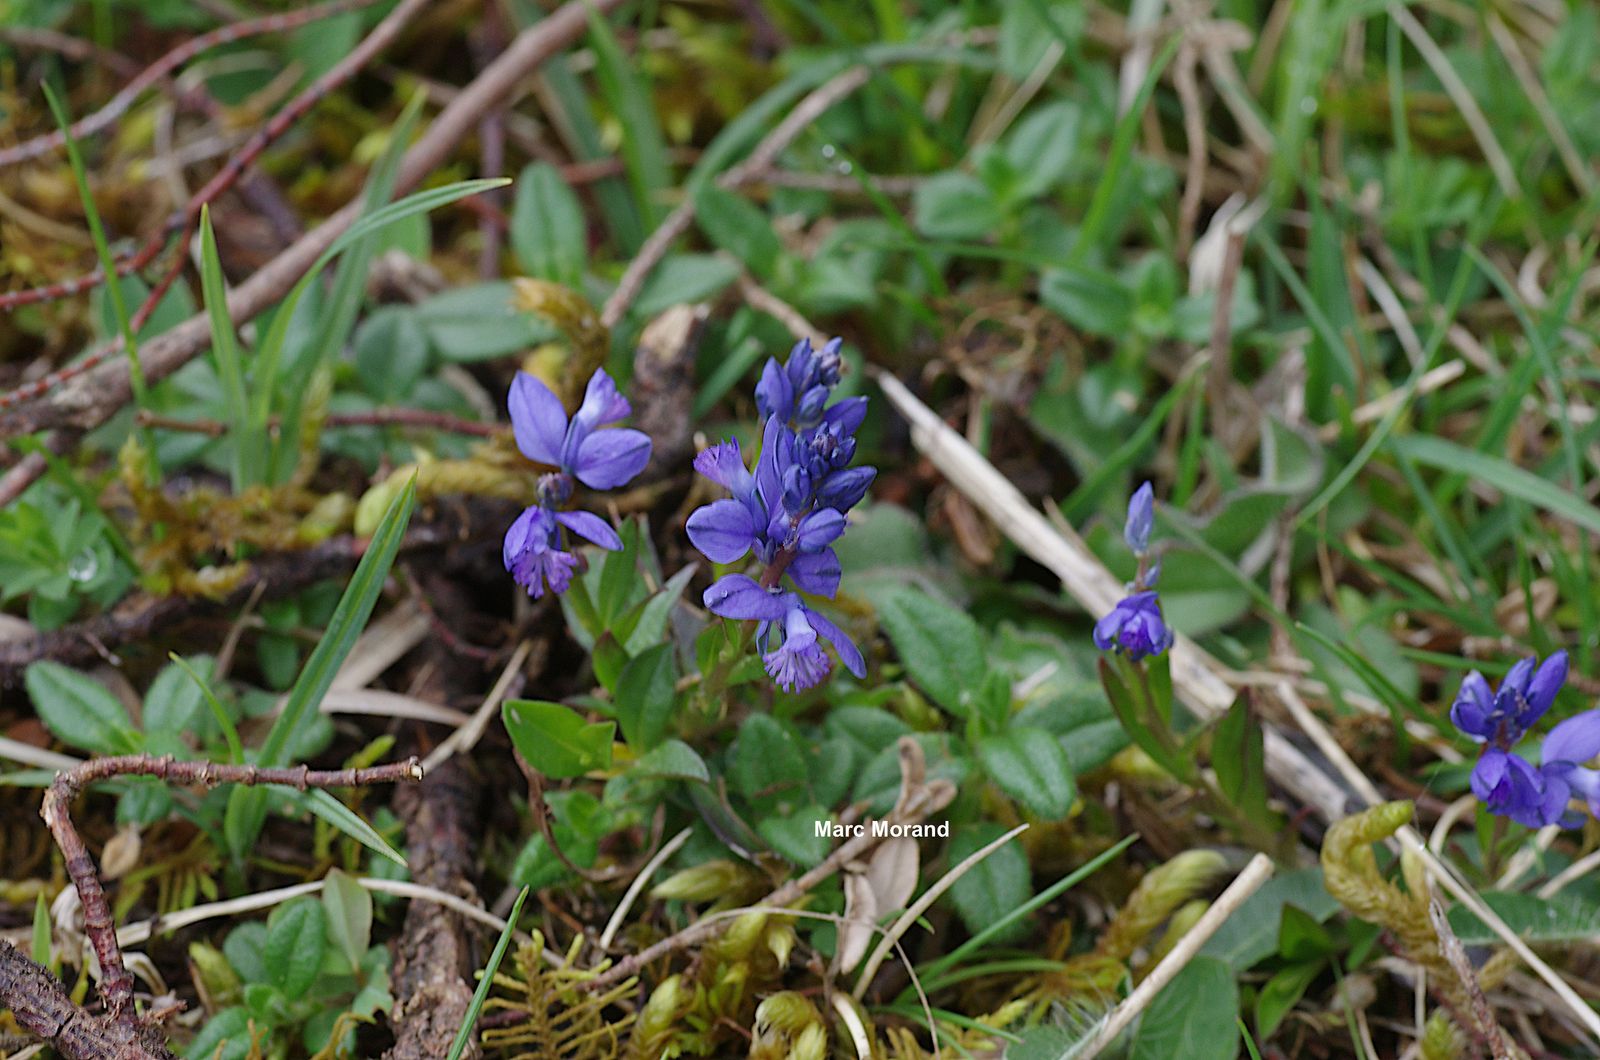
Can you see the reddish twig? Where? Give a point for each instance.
(159, 70)
(41, 1007)
(386, 417)
(91, 398)
(116, 985)
(184, 220)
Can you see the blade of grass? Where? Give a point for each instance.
(1502, 475)
(1049, 894)
(246, 810)
(481, 994)
(644, 152)
(346, 820)
(229, 732)
(102, 250)
(1113, 178)
(247, 449)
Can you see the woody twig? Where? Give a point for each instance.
(116, 986)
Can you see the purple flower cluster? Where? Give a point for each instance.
(1509, 784)
(580, 451)
(1135, 627)
(786, 514)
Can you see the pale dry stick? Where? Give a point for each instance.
(376, 703)
(1525, 857)
(760, 159)
(1243, 886)
(1185, 79)
(1438, 869)
(1374, 410)
(1528, 78)
(1393, 311)
(1575, 871)
(38, 757)
(384, 643)
(920, 906)
(88, 400)
(631, 895)
(1462, 97)
(467, 736)
(145, 930)
(1196, 677)
(927, 800)
(116, 986)
(858, 1033)
(758, 297)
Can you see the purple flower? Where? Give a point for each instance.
(1141, 517)
(798, 390)
(786, 513)
(600, 459)
(1509, 786)
(1134, 627)
(579, 449)
(1502, 717)
(788, 633)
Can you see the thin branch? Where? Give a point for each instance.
(92, 398)
(185, 220)
(41, 1007)
(159, 70)
(1243, 886)
(759, 161)
(116, 985)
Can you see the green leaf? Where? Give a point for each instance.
(1029, 765)
(325, 806)
(296, 941)
(995, 886)
(1194, 1017)
(1301, 937)
(555, 740)
(1041, 147)
(79, 711)
(768, 761)
(646, 696)
(1565, 917)
(619, 577)
(674, 759)
(173, 701)
(1280, 994)
(548, 231)
(955, 205)
(477, 323)
(942, 648)
(795, 837)
(734, 224)
(1095, 302)
(348, 906)
(391, 352)
(226, 1036)
(1238, 756)
(1251, 933)
(247, 807)
(684, 278)
(42, 932)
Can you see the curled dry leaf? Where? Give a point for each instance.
(893, 872)
(121, 852)
(860, 916)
